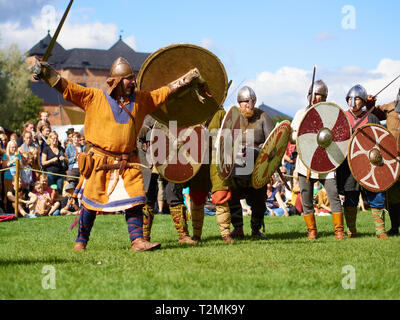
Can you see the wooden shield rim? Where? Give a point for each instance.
(196, 167)
(297, 142)
(349, 162)
(150, 58)
(258, 161)
(218, 145)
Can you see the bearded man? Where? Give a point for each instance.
(111, 179)
(256, 127)
(307, 178)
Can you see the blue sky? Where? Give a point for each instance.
(271, 45)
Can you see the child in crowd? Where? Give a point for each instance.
(26, 200)
(27, 175)
(45, 206)
(69, 204)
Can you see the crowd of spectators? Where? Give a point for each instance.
(48, 168)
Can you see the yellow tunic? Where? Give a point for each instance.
(109, 127)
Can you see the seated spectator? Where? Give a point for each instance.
(275, 204)
(26, 200)
(28, 176)
(54, 160)
(322, 206)
(45, 206)
(69, 204)
(9, 161)
(44, 181)
(295, 204)
(246, 209)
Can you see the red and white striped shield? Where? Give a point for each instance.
(178, 153)
(373, 158)
(323, 137)
(226, 142)
(271, 154)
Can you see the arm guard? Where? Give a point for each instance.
(42, 70)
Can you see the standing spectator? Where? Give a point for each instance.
(9, 161)
(42, 136)
(44, 120)
(3, 140)
(29, 145)
(54, 161)
(72, 152)
(29, 126)
(68, 141)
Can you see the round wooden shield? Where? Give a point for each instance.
(226, 142)
(373, 158)
(189, 107)
(178, 153)
(323, 137)
(271, 154)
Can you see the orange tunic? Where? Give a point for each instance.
(109, 127)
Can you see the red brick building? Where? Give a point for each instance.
(89, 67)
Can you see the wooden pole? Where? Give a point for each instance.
(16, 187)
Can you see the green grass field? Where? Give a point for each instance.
(285, 266)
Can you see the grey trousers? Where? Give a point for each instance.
(307, 193)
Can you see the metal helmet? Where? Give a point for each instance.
(120, 69)
(247, 94)
(319, 88)
(358, 91)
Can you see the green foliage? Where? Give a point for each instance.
(277, 119)
(17, 102)
(284, 266)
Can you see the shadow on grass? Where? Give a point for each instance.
(32, 261)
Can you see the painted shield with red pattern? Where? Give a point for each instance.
(226, 142)
(271, 154)
(323, 137)
(178, 153)
(373, 158)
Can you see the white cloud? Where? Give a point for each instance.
(286, 89)
(324, 36)
(78, 33)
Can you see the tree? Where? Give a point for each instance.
(278, 118)
(17, 102)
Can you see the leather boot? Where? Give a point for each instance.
(338, 225)
(223, 215)
(258, 234)
(178, 214)
(148, 217)
(311, 226)
(79, 247)
(350, 214)
(197, 221)
(140, 244)
(237, 233)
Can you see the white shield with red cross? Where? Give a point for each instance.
(323, 137)
(373, 158)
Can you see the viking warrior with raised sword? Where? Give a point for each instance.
(111, 177)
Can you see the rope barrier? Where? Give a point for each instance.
(39, 171)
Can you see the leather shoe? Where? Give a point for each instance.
(140, 244)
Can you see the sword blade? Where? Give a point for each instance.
(54, 39)
(312, 88)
